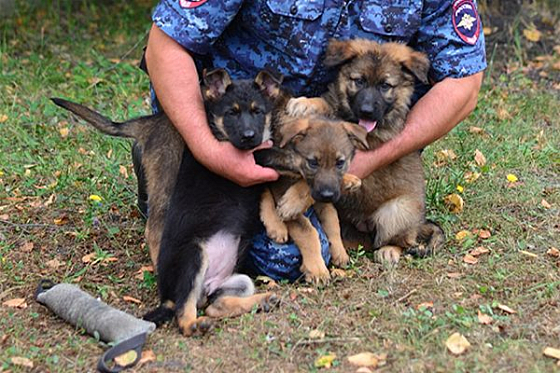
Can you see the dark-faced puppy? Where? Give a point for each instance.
(318, 150)
(204, 222)
(374, 88)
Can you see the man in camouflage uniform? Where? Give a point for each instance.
(290, 36)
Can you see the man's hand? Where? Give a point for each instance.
(236, 165)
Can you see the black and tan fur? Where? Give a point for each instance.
(194, 213)
(375, 83)
(318, 151)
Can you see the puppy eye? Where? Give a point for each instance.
(233, 111)
(257, 111)
(313, 163)
(359, 82)
(385, 87)
(340, 163)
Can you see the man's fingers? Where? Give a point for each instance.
(265, 145)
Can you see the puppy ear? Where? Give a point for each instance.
(357, 135)
(418, 65)
(293, 131)
(216, 83)
(269, 83)
(341, 51)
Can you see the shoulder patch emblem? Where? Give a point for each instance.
(191, 3)
(466, 21)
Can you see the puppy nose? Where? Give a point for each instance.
(366, 111)
(248, 135)
(326, 195)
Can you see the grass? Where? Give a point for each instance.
(50, 165)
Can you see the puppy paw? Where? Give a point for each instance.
(199, 326)
(278, 232)
(289, 208)
(339, 257)
(316, 272)
(351, 183)
(269, 302)
(419, 251)
(388, 255)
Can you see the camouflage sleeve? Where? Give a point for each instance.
(451, 35)
(195, 24)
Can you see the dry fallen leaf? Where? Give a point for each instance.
(552, 352)
(16, 303)
(471, 177)
(364, 359)
(325, 361)
(126, 359)
(545, 204)
(316, 334)
(123, 171)
(469, 259)
(364, 370)
(553, 252)
(54, 264)
(3, 118)
(484, 318)
(61, 221)
(454, 203)
(64, 132)
(478, 251)
(461, 235)
(532, 34)
(425, 305)
(529, 254)
(27, 246)
(476, 130)
(506, 309)
(147, 357)
(457, 344)
(483, 233)
(454, 275)
(479, 158)
(22, 361)
(128, 298)
(88, 258)
(445, 155)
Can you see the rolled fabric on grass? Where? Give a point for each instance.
(99, 319)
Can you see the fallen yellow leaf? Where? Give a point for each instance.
(64, 132)
(454, 203)
(460, 189)
(532, 34)
(471, 177)
(364, 359)
(529, 254)
(511, 178)
(425, 305)
(552, 352)
(461, 235)
(457, 344)
(95, 198)
(325, 361)
(3, 118)
(127, 358)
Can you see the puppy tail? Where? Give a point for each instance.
(132, 128)
(160, 315)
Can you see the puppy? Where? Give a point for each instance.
(206, 221)
(318, 150)
(373, 88)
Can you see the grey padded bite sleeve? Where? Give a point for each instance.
(82, 310)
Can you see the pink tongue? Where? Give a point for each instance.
(369, 125)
